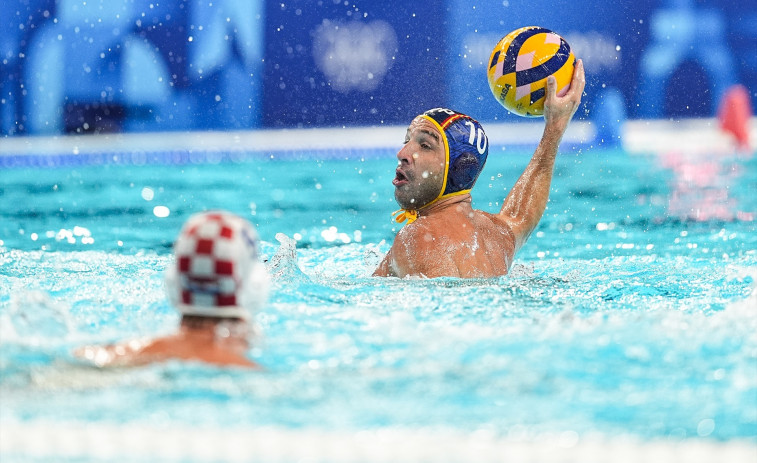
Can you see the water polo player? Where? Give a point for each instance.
(218, 283)
(443, 155)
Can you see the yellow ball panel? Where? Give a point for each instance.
(564, 75)
(541, 49)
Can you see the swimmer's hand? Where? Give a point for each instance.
(559, 110)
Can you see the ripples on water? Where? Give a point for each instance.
(618, 317)
(651, 346)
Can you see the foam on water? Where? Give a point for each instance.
(591, 350)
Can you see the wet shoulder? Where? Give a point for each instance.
(492, 221)
(494, 228)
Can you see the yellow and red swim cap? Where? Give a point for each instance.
(466, 148)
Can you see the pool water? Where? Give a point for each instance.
(632, 310)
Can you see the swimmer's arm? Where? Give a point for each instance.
(525, 204)
(142, 352)
(110, 355)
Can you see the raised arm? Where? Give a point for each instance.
(525, 204)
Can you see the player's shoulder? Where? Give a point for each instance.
(421, 230)
(495, 221)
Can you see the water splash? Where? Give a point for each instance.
(283, 266)
(37, 319)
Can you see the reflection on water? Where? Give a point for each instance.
(702, 187)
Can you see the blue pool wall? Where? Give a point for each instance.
(70, 66)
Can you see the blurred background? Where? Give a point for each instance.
(94, 66)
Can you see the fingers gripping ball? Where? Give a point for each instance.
(520, 64)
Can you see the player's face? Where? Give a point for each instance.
(420, 167)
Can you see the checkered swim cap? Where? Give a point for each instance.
(217, 272)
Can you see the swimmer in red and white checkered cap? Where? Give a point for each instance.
(218, 283)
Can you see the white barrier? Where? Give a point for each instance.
(51, 441)
(271, 140)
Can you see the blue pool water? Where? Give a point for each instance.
(632, 310)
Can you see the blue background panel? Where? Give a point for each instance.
(140, 65)
(669, 58)
(134, 65)
(362, 62)
(593, 36)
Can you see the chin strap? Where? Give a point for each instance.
(402, 215)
